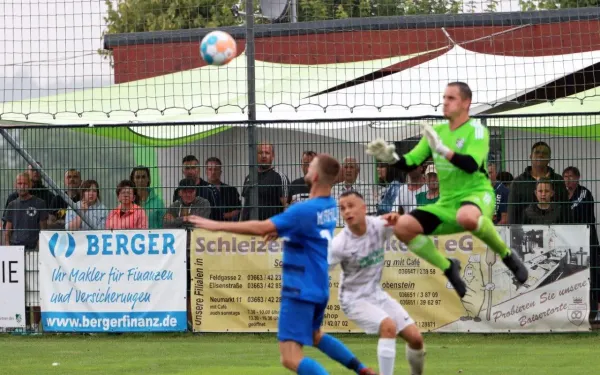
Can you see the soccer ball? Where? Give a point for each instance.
(218, 48)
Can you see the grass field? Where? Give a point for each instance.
(238, 354)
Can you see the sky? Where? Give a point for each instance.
(49, 47)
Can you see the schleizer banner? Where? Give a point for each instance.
(236, 283)
(12, 287)
(113, 281)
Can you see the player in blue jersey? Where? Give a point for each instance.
(307, 231)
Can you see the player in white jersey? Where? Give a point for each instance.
(358, 248)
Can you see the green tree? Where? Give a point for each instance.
(529, 5)
(128, 16)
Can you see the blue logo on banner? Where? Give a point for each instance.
(61, 244)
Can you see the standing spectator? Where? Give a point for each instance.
(25, 216)
(272, 186)
(228, 204)
(191, 170)
(127, 215)
(543, 212)
(146, 197)
(582, 212)
(90, 205)
(37, 188)
(351, 182)
(58, 206)
(299, 190)
(433, 188)
(501, 211)
(407, 195)
(389, 186)
(506, 178)
(522, 190)
(187, 204)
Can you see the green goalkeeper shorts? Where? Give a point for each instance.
(446, 210)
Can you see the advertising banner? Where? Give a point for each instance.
(12, 287)
(236, 283)
(113, 281)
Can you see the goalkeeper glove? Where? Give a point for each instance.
(382, 151)
(435, 143)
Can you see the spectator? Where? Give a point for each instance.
(187, 204)
(272, 186)
(191, 170)
(25, 216)
(523, 188)
(37, 189)
(299, 190)
(90, 206)
(127, 215)
(581, 210)
(389, 188)
(506, 178)
(433, 188)
(146, 197)
(502, 192)
(407, 195)
(580, 198)
(544, 212)
(227, 198)
(351, 182)
(58, 206)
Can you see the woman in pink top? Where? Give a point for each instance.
(127, 215)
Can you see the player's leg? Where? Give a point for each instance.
(386, 346)
(294, 331)
(407, 329)
(475, 216)
(413, 230)
(334, 348)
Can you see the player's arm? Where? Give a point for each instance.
(257, 227)
(475, 150)
(285, 222)
(335, 253)
(408, 162)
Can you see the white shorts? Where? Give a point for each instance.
(369, 313)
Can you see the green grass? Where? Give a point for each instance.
(238, 354)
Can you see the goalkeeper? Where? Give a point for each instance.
(459, 148)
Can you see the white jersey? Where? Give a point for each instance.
(361, 259)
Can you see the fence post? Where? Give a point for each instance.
(250, 72)
(25, 155)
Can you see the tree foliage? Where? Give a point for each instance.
(530, 5)
(127, 16)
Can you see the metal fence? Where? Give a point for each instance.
(148, 162)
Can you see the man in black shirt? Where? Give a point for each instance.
(38, 189)
(298, 188)
(58, 206)
(581, 207)
(191, 170)
(273, 186)
(228, 202)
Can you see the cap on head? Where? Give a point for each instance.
(187, 183)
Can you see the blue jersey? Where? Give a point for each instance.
(307, 231)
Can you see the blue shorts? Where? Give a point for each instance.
(298, 320)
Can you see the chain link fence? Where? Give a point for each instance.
(85, 178)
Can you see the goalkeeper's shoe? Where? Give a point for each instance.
(367, 371)
(453, 275)
(514, 263)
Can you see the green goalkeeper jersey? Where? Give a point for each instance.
(471, 138)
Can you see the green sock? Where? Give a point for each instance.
(487, 233)
(424, 248)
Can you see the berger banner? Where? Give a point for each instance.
(113, 281)
(236, 283)
(12, 287)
